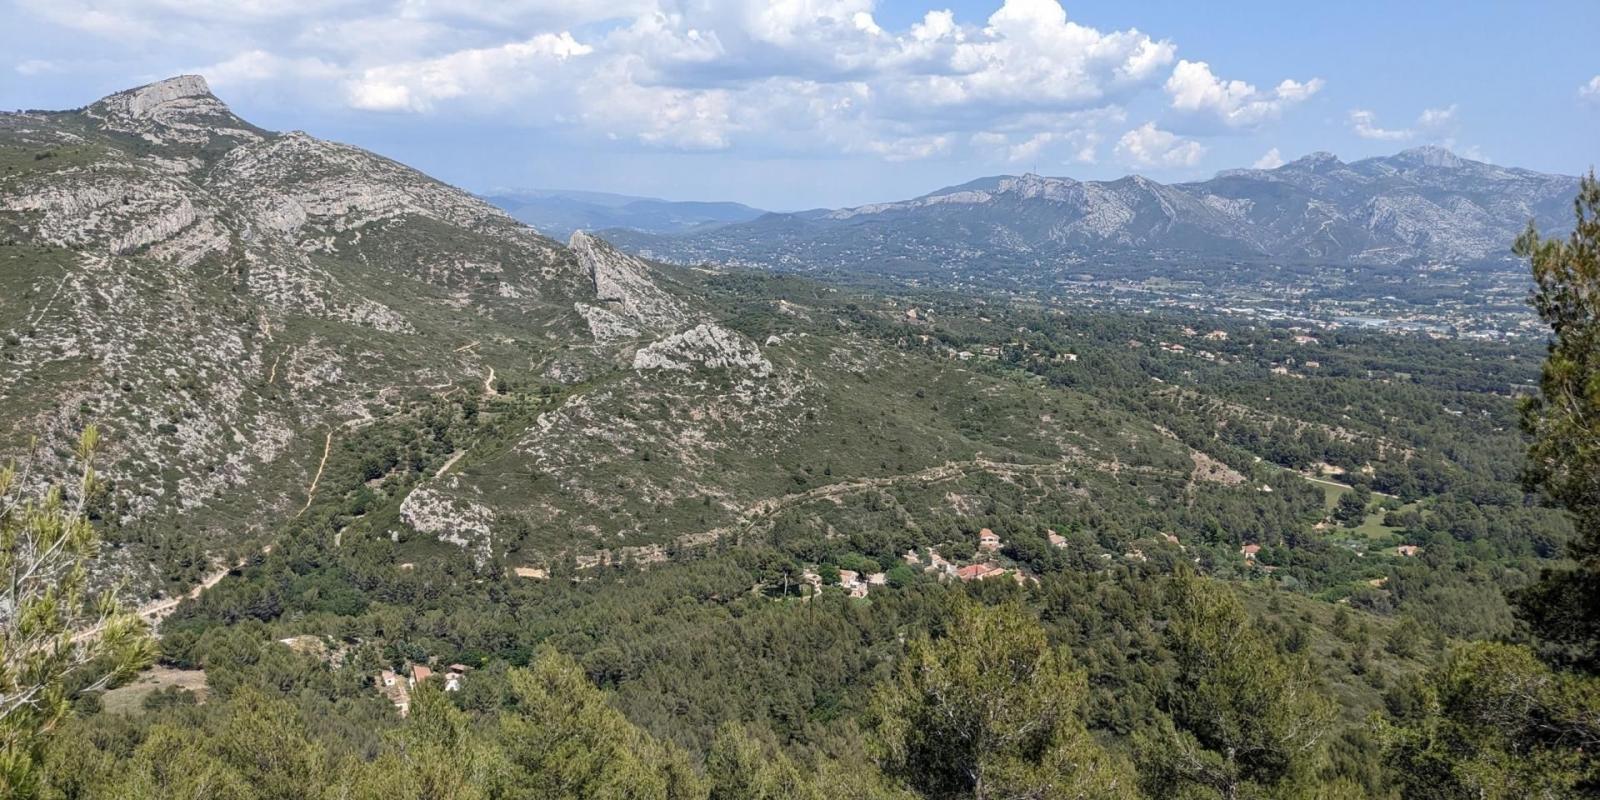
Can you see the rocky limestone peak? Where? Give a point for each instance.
(177, 110)
(140, 103)
(1031, 185)
(707, 345)
(1319, 160)
(1430, 155)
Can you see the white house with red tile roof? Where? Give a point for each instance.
(988, 540)
(392, 687)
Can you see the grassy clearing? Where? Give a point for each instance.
(129, 698)
(1371, 528)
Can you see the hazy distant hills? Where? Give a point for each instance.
(1425, 204)
(558, 213)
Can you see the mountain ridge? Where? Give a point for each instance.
(268, 324)
(1424, 203)
(560, 212)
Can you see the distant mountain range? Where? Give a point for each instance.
(1422, 205)
(559, 213)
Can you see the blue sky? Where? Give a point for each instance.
(801, 103)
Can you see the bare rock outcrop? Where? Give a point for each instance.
(623, 284)
(460, 522)
(705, 345)
(176, 110)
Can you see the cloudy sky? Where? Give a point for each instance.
(790, 104)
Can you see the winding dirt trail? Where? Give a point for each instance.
(273, 375)
(761, 510)
(448, 464)
(155, 611)
(311, 491)
(488, 384)
(950, 470)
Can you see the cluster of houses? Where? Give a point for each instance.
(988, 544)
(858, 585)
(984, 567)
(397, 686)
(852, 582)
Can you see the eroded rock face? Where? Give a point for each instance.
(119, 209)
(143, 101)
(606, 325)
(623, 285)
(460, 522)
(705, 345)
(293, 178)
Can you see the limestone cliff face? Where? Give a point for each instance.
(624, 287)
(143, 102)
(230, 304)
(460, 522)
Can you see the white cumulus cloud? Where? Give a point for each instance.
(1149, 146)
(799, 76)
(1272, 159)
(1365, 124)
(1052, 147)
(1432, 122)
(1236, 104)
(253, 66)
(485, 72)
(1591, 90)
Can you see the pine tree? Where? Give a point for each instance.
(53, 634)
(1496, 722)
(741, 767)
(1564, 420)
(1240, 719)
(992, 710)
